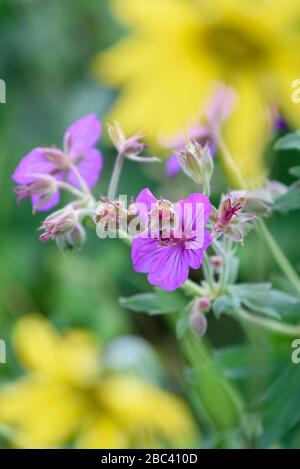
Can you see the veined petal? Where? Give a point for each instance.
(82, 134)
(172, 269)
(193, 254)
(146, 253)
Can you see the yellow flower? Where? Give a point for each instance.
(66, 397)
(178, 49)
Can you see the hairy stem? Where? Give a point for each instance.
(67, 187)
(208, 273)
(113, 184)
(85, 188)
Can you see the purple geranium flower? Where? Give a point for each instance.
(167, 258)
(39, 171)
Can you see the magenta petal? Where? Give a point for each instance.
(167, 267)
(82, 134)
(47, 205)
(194, 256)
(197, 198)
(146, 200)
(33, 163)
(145, 253)
(173, 166)
(172, 270)
(90, 168)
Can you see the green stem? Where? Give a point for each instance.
(192, 288)
(280, 257)
(224, 272)
(268, 324)
(208, 273)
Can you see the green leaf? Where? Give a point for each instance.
(159, 302)
(282, 410)
(219, 398)
(226, 304)
(290, 200)
(262, 298)
(182, 326)
(289, 142)
(295, 171)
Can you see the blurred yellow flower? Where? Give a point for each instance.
(178, 49)
(65, 396)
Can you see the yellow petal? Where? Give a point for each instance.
(156, 16)
(69, 358)
(43, 414)
(247, 131)
(37, 344)
(139, 406)
(102, 432)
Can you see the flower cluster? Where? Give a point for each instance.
(167, 238)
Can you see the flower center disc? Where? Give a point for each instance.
(234, 46)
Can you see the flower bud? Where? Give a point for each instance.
(127, 146)
(58, 223)
(198, 323)
(197, 162)
(73, 239)
(216, 262)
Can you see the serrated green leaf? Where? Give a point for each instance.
(289, 142)
(159, 302)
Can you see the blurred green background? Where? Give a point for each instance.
(46, 49)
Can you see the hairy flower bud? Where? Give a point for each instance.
(198, 323)
(127, 146)
(59, 223)
(216, 262)
(197, 162)
(73, 239)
